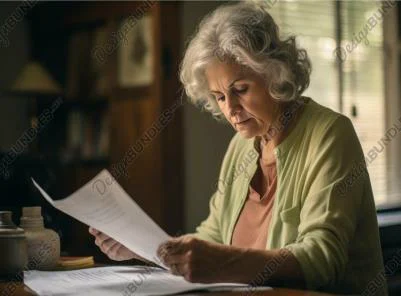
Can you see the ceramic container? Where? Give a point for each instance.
(43, 244)
(13, 251)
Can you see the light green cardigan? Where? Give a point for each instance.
(324, 210)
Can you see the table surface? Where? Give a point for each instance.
(19, 289)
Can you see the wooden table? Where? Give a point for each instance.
(22, 290)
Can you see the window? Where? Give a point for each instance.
(354, 87)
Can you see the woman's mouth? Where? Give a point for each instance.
(244, 121)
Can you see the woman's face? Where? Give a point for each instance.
(243, 98)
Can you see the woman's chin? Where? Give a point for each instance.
(247, 133)
(248, 129)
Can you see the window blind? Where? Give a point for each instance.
(362, 74)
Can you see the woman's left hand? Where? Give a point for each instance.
(197, 260)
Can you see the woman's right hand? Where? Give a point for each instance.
(113, 249)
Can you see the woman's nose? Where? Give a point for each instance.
(232, 104)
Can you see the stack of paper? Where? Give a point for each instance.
(118, 281)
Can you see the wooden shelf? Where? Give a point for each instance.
(128, 112)
(28, 95)
(140, 92)
(88, 12)
(100, 102)
(100, 162)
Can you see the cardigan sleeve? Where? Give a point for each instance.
(209, 229)
(330, 210)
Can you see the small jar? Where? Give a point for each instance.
(43, 245)
(13, 252)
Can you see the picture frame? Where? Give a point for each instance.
(135, 53)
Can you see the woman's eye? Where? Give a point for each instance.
(242, 90)
(220, 98)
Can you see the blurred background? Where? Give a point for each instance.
(84, 83)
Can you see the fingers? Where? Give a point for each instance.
(114, 252)
(183, 269)
(103, 241)
(176, 269)
(176, 259)
(164, 250)
(177, 253)
(93, 231)
(178, 245)
(112, 248)
(105, 245)
(100, 237)
(108, 245)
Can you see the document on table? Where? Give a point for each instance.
(104, 205)
(118, 281)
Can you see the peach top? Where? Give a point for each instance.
(253, 222)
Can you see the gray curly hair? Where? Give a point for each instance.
(244, 33)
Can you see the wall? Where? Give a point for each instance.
(205, 139)
(13, 111)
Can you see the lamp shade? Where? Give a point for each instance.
(34, 78)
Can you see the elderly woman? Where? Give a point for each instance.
(290, 208)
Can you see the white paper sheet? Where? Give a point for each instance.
(118, 281)
(104, 205)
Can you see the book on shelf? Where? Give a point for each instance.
(87, 135)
